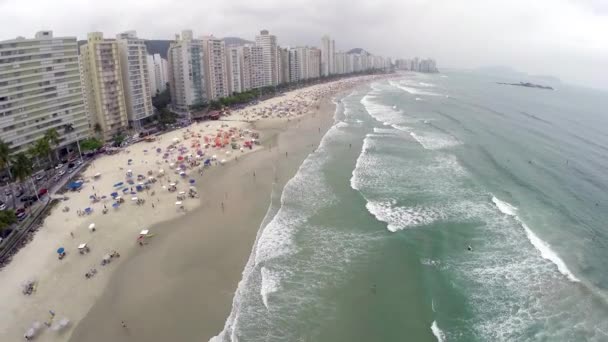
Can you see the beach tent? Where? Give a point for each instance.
(82, 246)
(97, 175)
(117, 185)
(74, 185)
(144, 232)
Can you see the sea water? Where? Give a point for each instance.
(439, 208)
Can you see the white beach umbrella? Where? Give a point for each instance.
(92, 226)
(144, 232)
(133, 198)
(178, 203)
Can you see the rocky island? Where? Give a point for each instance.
(527, 84)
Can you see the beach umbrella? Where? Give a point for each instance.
(92, 197)
(117, 185)
(192, 181)
(133, 192)
(88, 210)
(133, 198)
(104, 197)
(107, 257)
(116, 205)
(178, 203)
(183, 174)
(125, 190)
(92, 226)
(146, 151)
(97, 175)
(159, 150)
(114, 194)
(60, 250)
(223, 161)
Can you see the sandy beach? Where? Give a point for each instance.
(179, 281)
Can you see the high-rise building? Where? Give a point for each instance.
(325, 53)
(135, 77)
(314, 63)
(245, 62)
(268, 43)
(302, 56)
(258, 67)
(283, 57)
(340, 58)
(332, 57)
(103, 83)
(186, 73)
(157, 69)
(40, 89)
(294, 65)
(234, 69)
(216, 73)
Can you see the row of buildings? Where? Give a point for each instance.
(105, 86)
(416, 64)
(206, 68)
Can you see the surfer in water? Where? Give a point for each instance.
(469, 248)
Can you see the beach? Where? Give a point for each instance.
(180, 275)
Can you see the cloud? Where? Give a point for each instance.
(566, 38)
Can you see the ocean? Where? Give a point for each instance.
(439, 207)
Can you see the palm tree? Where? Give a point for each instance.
(41, 148)
(22, 167)
(52, 136)
(5, 163)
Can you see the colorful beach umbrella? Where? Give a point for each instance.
(60, 250)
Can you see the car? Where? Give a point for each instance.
(39, 177)
(58, 166)
(2, 205)
(79, 162)
(71, 170)
(7, 192)
(21, 214)
(42, 192)
(19, 193)
(61, 173)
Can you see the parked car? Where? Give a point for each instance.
(58, 166)
(79, 162)
(2, 205)
(21, 214)
(7, 192)
(61, 173)
(42, 192)
(39, 177)
(71, 170)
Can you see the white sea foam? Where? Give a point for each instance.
(426, 84)
(270, 284)
(382, 113)
(418, 99)
(435, 141)
(398, 218)
(433, 304)
(411, 89)
(543, 247)
(437, 332)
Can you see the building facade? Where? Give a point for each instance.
(270, 63)
(294, 66)
(40, 89)
(283, 57)
(258, 68)
(135, 77)
(186, 73)
(234, 69)
(216, 71)
(325, 50)
(314, 63)
(158, 70)
(103, 83)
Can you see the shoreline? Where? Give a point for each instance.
(222, 251)
(61, 285)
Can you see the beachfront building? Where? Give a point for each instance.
(332, 57)
(245, 64)
(325, 44)
(283, 58)
(234, 69)
(294, 65)
(40, 89)
(186, 73)
(158, 70)
(104, 98)
(340, 58)
(301, 58)
(258, 67)
(216, 72)
(314, 63)
(268, 43)
(135, 77)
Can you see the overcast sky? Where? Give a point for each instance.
(564, 38)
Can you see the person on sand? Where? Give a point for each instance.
(123, 324)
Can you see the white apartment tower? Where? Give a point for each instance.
(268, 43)
(40, 89)
(258, 67)
(332, 57)
(186, 72)
(216, 72)
(234, 69)
(294, 66)
(135, 76)
(157, 69)
(325, 53)
(245, 63)
(103, 83)
(314, 63)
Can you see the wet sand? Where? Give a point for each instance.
(180, 286)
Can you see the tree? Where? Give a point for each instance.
(97, 129)
(7, 218)
(68, 128)
(91, 144)
(22, 167)
(52, 136)
(41, 148)
(118, 138)
(5, 163)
